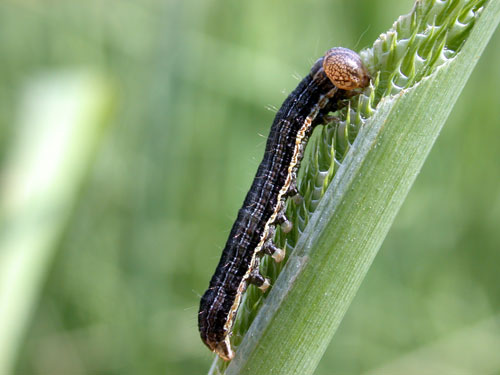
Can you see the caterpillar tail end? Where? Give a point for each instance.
(224, 350)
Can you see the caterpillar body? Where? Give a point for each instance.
(331, 80)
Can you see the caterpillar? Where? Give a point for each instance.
(331, 80)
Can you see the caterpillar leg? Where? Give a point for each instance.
(293, 193)
(286, 225)
(260, 281)
(276, 253)
(292, 189)
(326, 119)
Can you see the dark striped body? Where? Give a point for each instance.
(304, 108)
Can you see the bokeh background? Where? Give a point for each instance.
(170, 100)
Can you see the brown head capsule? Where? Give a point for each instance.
(344, 68)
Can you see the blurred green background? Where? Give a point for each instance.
(183, 91)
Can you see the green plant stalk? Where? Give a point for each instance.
(312, 294)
